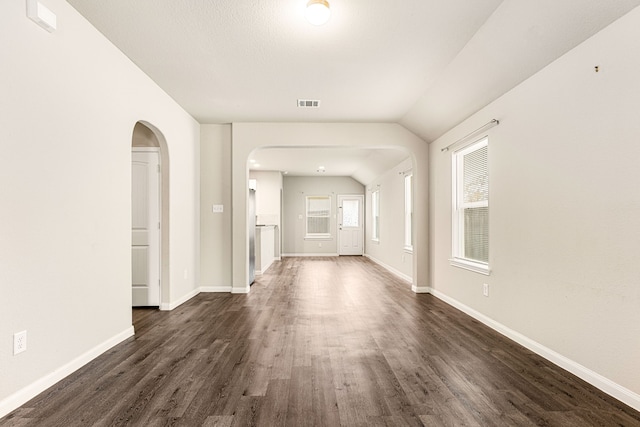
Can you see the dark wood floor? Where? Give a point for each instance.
(319, 342)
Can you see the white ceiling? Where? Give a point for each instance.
(426, 64)
(364, 165)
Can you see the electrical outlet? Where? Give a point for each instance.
(19, 342)
(485, 289)
(319, 245)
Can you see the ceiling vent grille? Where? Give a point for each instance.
(308, 103)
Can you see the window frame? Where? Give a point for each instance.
(317, 236)
(408, 212)
(459, 206)
(375, 215)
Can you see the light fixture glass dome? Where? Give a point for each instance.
(318, 12)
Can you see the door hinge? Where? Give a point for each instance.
(158, 225)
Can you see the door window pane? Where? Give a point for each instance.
(350, 213)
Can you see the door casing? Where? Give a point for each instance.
(351, 239)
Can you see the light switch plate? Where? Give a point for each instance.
(218, 209)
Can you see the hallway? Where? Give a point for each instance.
(324, 342)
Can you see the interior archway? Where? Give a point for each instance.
(145, 134)
(250, 136)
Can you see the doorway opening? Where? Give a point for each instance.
(149, 217)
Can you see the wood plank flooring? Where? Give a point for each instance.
(319, 342)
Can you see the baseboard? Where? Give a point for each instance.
(266, 267)
(606, 385)
(309, 255)
(240, 290)
(215, 289)
(22, 396)
(421, 289)
(391, 269)
(172, 305)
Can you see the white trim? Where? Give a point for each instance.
(341, 198)
(421, 289)
(146, 149)
(458, 206)
(476, 267)
(615, 390)
(239, 290)
(172, 305)
(215, 289)
(27, 393)
(391, 269)
(318, 236)
(308, 255)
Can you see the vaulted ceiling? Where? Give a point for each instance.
(426, 64)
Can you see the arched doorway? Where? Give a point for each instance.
(248, 137)
(150, 217)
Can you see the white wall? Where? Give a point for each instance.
(69, 104)
(294, 229)
(268, 195)
(389, 250)
(265, 247)
(215, 238)
(564, 212)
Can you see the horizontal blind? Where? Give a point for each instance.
(318, 215)
(318, 206)
(476, 178)
(475, 205)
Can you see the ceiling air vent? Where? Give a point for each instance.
(308, 103)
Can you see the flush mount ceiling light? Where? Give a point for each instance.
(318, 12)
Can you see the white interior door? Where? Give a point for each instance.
(145, 232)
(350, 225)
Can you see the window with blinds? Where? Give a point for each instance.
(375, 214)
(318, 216)
(471, 207)
(408, 212)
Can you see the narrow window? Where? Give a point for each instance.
(375, 214)
(408, 212)
(471, 207)
(318, 216)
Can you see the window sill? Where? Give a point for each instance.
(376, 241)
(318, 237)
(408, 249)
(476, 267)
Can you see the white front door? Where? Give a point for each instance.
(145, 224)
(350, 225)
